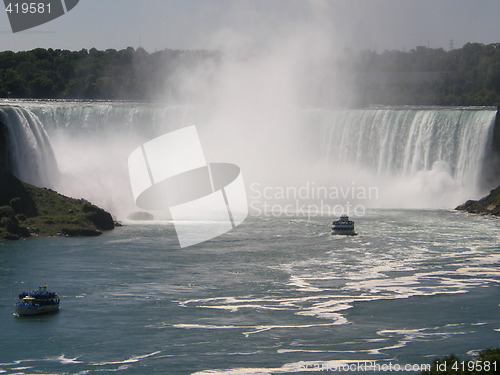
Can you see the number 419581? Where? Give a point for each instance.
(25, 8)
(475, 366)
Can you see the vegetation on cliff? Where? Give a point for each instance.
(489, 205)
(26, 210)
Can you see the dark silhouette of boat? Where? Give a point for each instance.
(343, 226)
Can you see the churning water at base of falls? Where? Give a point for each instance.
(274, 296)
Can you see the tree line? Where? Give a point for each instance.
(128, 74)
(469, 76)
(422, 76)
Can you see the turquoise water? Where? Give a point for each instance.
(274, 296)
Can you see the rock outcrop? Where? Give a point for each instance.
(26, 210)
(489, 205)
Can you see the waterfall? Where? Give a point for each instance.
(416, 157)
(31, 156)
(98, 117)
(407, 143)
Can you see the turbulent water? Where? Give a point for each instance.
(278, 294)
(275, 296)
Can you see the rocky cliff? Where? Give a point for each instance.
(26, 210)
(489, 205)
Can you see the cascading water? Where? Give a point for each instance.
(98, 117)
(441, 150)
(31, 155)
(416, 157)
(408, 141)
(92, 142)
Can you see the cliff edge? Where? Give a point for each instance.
(26, 211)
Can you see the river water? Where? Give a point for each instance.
(277, 295)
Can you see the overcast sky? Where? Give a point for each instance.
(198, 24)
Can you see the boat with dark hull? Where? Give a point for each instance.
(41, 301)
(343, 226)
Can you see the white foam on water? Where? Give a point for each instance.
(249, 329)
(473, 353)
(302, 284)
(426, 283)
(20, 367)
(285, 351)
(407, 336)
(234, 308)
(18, 362)
(264, 328)
(208, 326)
(323, 306)
(372, 284)
(329, 306)
(132, 359)
(65, 361)
(329, 310)
(225, 300)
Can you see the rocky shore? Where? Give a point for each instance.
(27, 211)
(489, 205)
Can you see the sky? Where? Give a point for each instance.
(201, 24)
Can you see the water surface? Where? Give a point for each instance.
(273, 295)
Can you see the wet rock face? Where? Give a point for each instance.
(489, 205)
(100, 218)
(4, 156)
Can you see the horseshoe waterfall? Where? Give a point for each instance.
(418, 157)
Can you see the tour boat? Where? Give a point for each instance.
(36, 302)
(343, 226)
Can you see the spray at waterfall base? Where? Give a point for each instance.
(310, 200)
